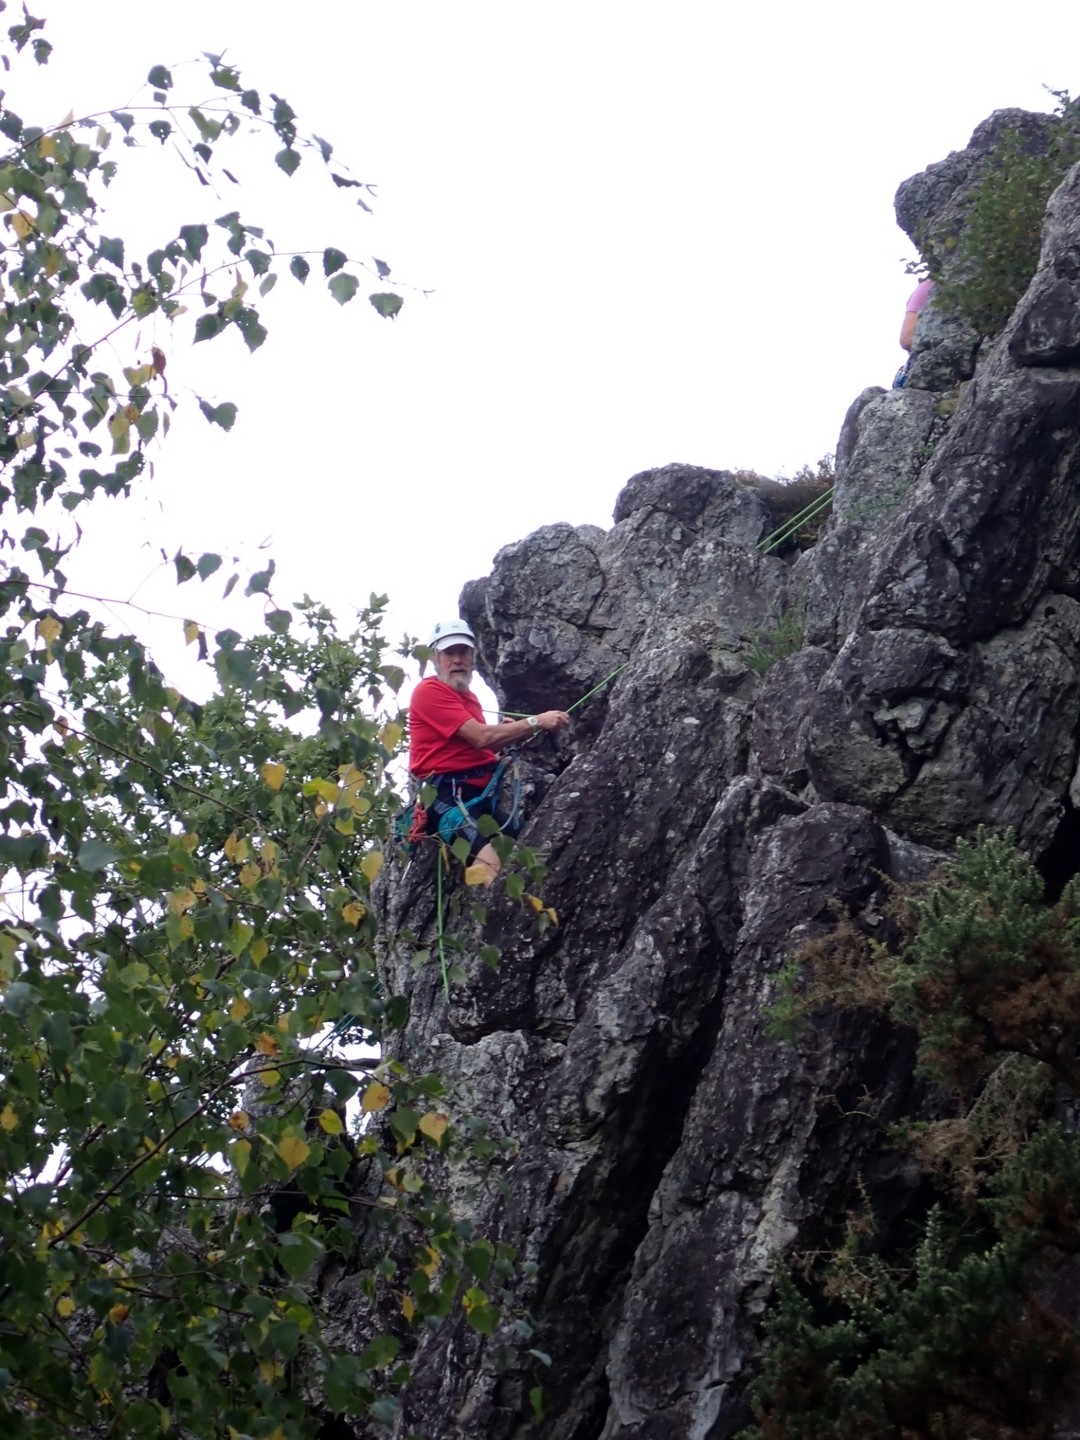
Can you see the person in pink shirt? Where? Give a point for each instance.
(917, 303)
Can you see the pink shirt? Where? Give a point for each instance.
(920, 297)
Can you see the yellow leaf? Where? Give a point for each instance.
(376, 1097)
(324, 789)
(269, 1078)
(293, 1149)
(46, 147)
(22, 224)
(320, 810)
(191, 632)
(239, 1009)
(434, 1125)
(343, 824)
(8, 1118)
(552, 914)
(65, 1306)
(240, 1155)
(236, 849)
(536, 903)
(250, 875)
(181, 900)
(186, 927)
(408, 1309)
(391, 735)
(273, 775)
(431, 1264)
(371, 865)
(119, 1313)
(53, 256)
(24, 439)
(353, 913)
(50, 629)
(119, 425)
(266, 1044)
(188, 841)
(268, 851)
(270, 1371)
(138, 374)
(239, 1120)
(259, 951)
(477, 874)
(330, 1122)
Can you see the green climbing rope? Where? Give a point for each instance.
(795, 524)
(441, 861)
(523, 714)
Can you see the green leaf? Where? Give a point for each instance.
(278, 621)
(193, 238)
(383, 1350)
(478, 1258)
(160, 129)
(207, 326)
(259, 583)
(404, 1122)
(250, 327)
(112, 251)
(159, 78)
(333, 260)
(207, 564)
(298, 1251)
(223, 415)
(288, 160)
(95, 855)
(184, 568)
(299, 267)
(387, 304)
(343, 287)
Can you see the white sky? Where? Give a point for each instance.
(653, 232)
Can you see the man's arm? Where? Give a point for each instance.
(498, 737)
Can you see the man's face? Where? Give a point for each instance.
(455, 665)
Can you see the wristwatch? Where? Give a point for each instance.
(533, 722)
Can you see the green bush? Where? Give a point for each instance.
(951, 1333)
(986, 267)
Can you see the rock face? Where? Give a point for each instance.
(703, 818)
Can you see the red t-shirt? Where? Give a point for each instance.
(436, 713)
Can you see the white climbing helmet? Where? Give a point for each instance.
(451, 632)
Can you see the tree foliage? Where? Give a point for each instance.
(187, 886)
(987, 266)
(957, 1333)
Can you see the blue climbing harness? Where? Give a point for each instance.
(450, 815)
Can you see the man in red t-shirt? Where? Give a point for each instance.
(451, 746)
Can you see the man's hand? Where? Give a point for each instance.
(553, 720)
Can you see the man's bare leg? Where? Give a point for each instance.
(485, 867)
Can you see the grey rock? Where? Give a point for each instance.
(701, 821)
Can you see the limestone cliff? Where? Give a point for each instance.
(701, 819)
